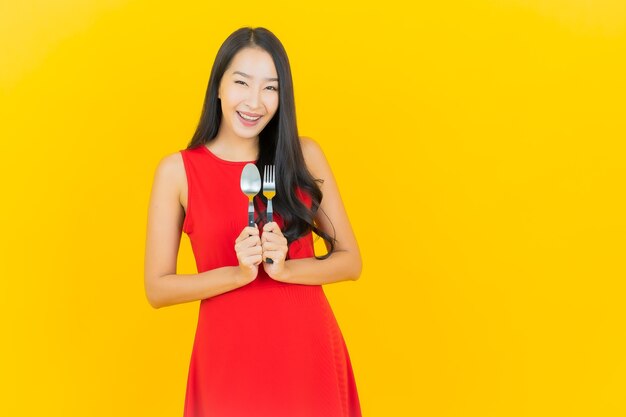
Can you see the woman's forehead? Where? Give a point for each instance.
(253, 63)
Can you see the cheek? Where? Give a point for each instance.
(272, 103)
(232, 97)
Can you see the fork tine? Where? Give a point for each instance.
(269, 176)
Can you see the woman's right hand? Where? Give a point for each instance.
(249, 251)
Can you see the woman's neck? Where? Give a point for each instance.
(235, 148)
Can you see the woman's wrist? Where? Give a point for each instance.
(285, 273)
(241, 276)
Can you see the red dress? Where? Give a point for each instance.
(267, 349)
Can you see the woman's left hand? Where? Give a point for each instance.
(274, 246)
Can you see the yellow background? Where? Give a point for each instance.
(479, 148)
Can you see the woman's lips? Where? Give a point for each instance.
(246, 122)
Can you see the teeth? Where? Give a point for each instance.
(243, 116)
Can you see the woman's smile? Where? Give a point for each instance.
(247, 120)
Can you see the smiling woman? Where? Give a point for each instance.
(267, 342)
(252, 98)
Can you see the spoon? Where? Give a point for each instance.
(250, 186)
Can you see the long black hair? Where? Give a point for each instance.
(279, 142)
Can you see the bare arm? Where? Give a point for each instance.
(345, 262)
(165, 218)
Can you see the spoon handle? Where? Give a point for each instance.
(251, 214)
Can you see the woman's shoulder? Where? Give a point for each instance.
(309, 145)
(170, 171)
(313, 155)
(172, 164)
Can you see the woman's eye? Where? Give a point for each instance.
(271, 87)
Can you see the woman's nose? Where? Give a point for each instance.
(253, 99)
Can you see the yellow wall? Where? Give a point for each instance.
(479, 147)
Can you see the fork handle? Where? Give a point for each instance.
(270, 218)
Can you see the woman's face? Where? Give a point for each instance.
(248, 93)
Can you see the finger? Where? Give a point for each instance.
(252, 242)
(272, 227)
(274, 238)
(273, 247)
(253, 260)
(250, 230)
(275, 255)
(247, 231)
(267, 246)
(249, 242)
(253, 255)
(250, 251)
(250, 259)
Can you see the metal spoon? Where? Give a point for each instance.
(250, 185)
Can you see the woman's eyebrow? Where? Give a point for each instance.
(249, 76)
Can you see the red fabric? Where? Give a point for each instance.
(267, 349)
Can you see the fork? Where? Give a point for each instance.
(269, 191)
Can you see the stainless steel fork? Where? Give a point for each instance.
(269, 191)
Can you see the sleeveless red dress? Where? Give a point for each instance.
(267, 349)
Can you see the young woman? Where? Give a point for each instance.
(267, 343)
